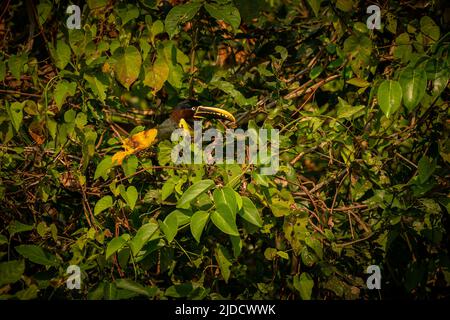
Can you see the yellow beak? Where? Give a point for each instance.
(206, 112)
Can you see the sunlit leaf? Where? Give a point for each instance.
(130, 196)
(63, 90)
(116, 244)
(225, 220)
(226, 12)
(180, 14)
(193, 192)
(103, 168)
(315, 5)
(146, 232)
(104, 203)
(37, 255)
(250, 213)
(414, 83)
(15, 112)
(304, 285)
(128, 65)
(11, 271)
(198, 222)
(170, 226)
(389, 96)
(157, 74)
(224, 261)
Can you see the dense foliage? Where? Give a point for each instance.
(364, 150)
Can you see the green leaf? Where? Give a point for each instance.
(116, 244)
(15, 112)
(193, 192)
(403, 47)
(304, 285)
(236, 243)
(198, 222)
(3, 239)
(345, 110)
(16, 227)
(438, 73)
(260, 179)
(175, 77)
(96, 4)
(361, 83)
(37, 255)
(130, 196)
(180, 14)
(132, 286)
(104, 203)
(183, 216)
(179, 290)
(103, 168)
(414, 83)
(344, 5)
(250, 213)
(429, 28)
(167, 189)
(157, 74)
(426, 168)
(314, 244)
(270, 253)
(226, 196)
(226, 12)
(308, 258)
(389, 96)
(70, 115)
(98, 85)
(283, 255)
(28, 293)
(16, 63)
(315, 72)
(130, 165)
(224, 261)
(170, 226)
(11, 271)
(225, 220)
(128, 65)
(2, 70)
(146, 232)
(391, 23)
(128, 13)
(63, 90)
(62, 54)
(358, 48)
(81, 121)
(156, 28)
(315, 5)
(44, 9)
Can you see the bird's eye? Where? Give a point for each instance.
(193, 108)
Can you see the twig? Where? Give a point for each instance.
(353, 242)
(20, 93)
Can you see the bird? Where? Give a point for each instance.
(181, 117)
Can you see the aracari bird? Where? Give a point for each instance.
(183, 114)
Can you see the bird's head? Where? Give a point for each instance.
(192, 110)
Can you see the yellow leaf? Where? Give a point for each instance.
(137, 142)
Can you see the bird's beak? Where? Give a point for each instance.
(203, 112)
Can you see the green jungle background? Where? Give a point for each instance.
(364, 150)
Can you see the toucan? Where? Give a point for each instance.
(182, 116)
